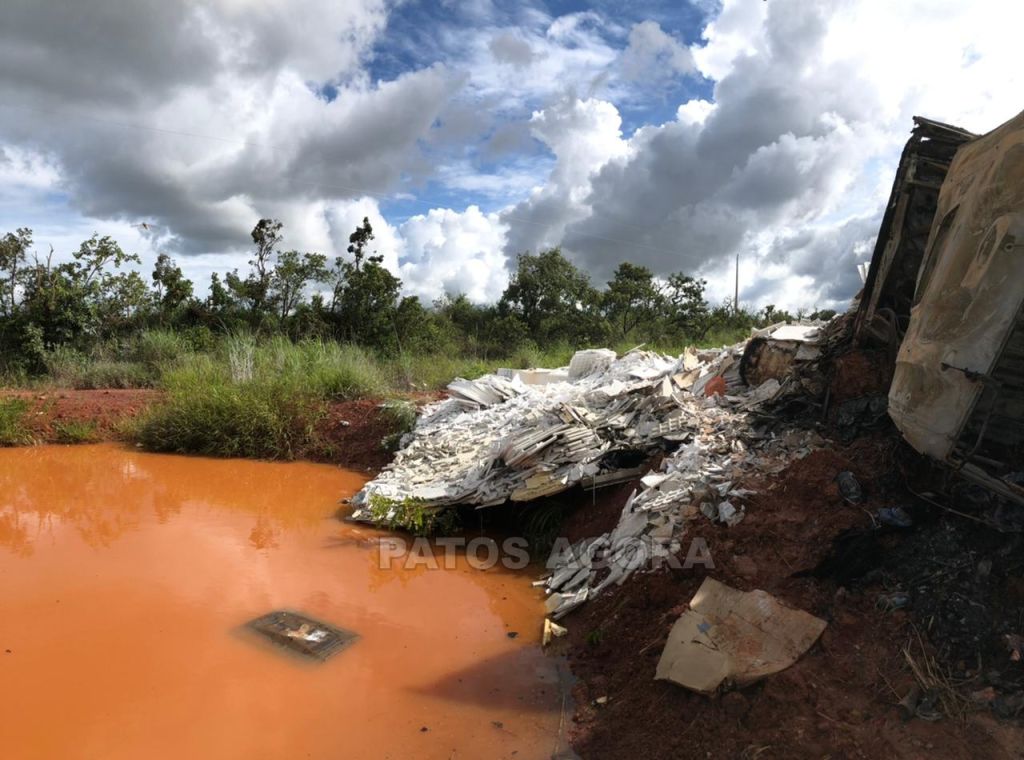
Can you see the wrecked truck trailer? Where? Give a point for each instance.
(958, 391)
(957, 394)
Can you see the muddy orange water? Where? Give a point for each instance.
(124, 578)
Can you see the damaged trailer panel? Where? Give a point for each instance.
(902, 239)
(958, 390)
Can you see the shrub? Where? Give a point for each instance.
(258, 420)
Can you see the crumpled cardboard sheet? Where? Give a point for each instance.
(732, 636)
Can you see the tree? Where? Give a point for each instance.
(552, 297)
(266, 235)
(255, 288)
(358, 241)
(82, 298)
(125, 295)
(173, 289)
(290, 277)
(13, 252)
(219, 301)
(687, 311)
(632, 299)
(365, 294)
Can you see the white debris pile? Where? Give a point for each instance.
(522, 435)
(499, 437)
(700, 478)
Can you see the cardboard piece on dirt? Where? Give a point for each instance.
(734, 636)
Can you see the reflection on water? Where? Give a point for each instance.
(123, 575)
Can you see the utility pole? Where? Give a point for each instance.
(736, 297)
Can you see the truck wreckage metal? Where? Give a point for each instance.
(953, 308)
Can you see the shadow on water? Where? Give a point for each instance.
(515, 680)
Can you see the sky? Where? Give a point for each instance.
(672, 134)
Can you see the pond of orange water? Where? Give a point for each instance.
(125, 578)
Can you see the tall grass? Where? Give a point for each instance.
(159, 348)
(259, 420)
(13, 431)
(322, 368)
(241, 356)
(255, 400)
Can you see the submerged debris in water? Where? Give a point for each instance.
(302, 635)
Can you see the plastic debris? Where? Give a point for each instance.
(895, 517)
(897, 600)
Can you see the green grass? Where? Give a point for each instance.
(255, 420)
(255, 400)
(159, 348)
(324, 369)
(13, 431)
(432, 372)
(75, 431)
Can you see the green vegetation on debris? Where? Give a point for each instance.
(410, 515)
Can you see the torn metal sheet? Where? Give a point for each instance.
(734, 637)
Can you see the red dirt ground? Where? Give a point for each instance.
(106, 408)
(356, 445)
(861, 373)
(838, 701)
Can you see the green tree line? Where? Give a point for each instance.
(96, 298)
